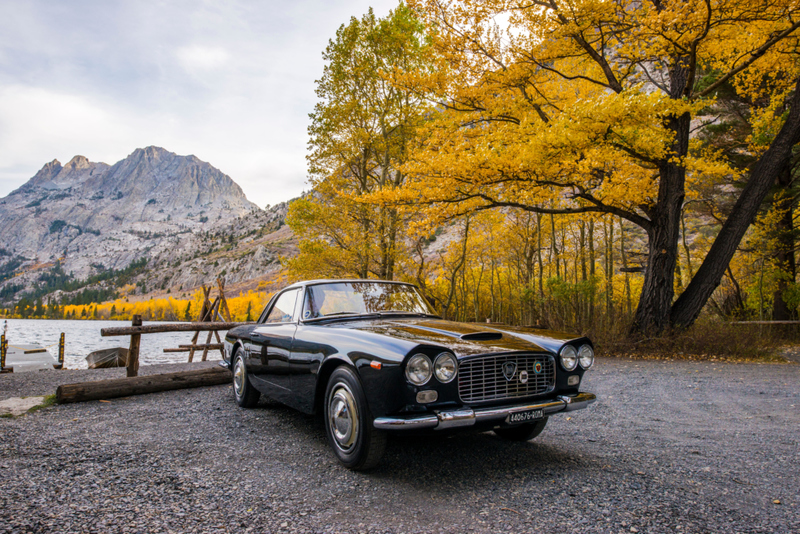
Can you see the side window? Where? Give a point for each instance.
(284, 308)
(310, 306)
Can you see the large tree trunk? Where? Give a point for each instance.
(784, 255)
(610, 271)
(763, 174)
(652, 314)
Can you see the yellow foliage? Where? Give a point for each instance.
(168, 309)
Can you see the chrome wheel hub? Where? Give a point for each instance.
(343, 417)
(238, 378)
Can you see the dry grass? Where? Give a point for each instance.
(708, 340)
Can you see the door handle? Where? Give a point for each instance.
(259, 338)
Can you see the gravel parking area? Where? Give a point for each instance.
(669, 447)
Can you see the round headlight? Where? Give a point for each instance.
(569, 358)
(418, 370)
(586, 356)
(445, 367)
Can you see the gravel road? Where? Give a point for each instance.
(669, 447)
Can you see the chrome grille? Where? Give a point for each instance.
(481, 378)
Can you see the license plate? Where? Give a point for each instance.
(524, 417)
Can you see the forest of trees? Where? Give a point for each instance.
(243, 307)
(615, 165)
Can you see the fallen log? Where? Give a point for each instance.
(124, 387)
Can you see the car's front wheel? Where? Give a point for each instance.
(246, 395)
(522, 432)
(348, 424)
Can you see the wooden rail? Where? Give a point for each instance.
(188, 348)
(166, 327)
(765, 322)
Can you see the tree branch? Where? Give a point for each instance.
(754, 55)
(613, 83)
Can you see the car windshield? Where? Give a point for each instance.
(358, 298)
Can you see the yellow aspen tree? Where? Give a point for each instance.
(360, 132)
(579, 106)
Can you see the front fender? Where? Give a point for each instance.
(382, 381)
(229, 348)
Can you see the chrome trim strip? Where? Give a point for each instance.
(397, 423)
(467, 416)
(577, 402)
(455, 419)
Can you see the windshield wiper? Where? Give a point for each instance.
(343, 314)
(398, 312)
(337, 315)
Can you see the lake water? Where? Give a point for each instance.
(83, 337)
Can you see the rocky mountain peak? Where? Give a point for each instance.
(151, 153)
(45, 174)
(51, 168)
(89, 213)
(77, 163)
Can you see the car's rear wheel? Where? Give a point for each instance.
(246, 395)
(348, 423)
(522, 432)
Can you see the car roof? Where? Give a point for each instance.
(343, 280)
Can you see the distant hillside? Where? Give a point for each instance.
(155, 220)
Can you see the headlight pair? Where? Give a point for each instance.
(419, 369)
(570, 358)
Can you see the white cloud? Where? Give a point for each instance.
(35, 121)
(202, 58)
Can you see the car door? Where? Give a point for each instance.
(270, 348)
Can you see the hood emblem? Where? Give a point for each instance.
(509, 369)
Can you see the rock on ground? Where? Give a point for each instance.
(17, 406)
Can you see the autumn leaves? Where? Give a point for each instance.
(577, 110)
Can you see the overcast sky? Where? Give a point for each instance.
(231, 82)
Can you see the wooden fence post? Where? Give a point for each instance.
(133, 352)
(61, 351)
(2, 352)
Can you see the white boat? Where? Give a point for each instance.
(22, 358)
(116, 357)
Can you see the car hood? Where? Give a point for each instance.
(464, 339)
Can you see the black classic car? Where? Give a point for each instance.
(373, 358)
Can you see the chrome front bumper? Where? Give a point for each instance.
(467, 416)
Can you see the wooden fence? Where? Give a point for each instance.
(137, 329)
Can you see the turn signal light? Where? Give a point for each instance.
(375, 365)
(428, 396)
(574, 380)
